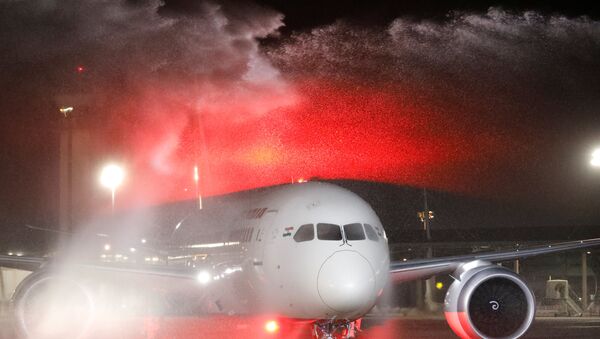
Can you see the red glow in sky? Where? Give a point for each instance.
(332, 131)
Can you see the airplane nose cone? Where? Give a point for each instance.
(346, 282)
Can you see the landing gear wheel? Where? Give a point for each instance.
(336, 329)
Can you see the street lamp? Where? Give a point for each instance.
(111, 177)
(66, 181)
(66, 110)
(595, 161)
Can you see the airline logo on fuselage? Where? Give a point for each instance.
(288, 231)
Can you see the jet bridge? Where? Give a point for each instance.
(560, 300)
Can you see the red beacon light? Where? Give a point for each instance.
(80, 69)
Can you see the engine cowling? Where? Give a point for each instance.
(48, 305)
(488, 301)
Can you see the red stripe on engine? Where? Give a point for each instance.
(459, 323)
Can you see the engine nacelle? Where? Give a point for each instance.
(48, 305)
(488, 301)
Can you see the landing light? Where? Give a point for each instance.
(203, 277)
(271, 326)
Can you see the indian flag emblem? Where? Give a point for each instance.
(288, 231)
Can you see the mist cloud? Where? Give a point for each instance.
(502, 99)
(497, 55)
(148, 67)
(204, 57)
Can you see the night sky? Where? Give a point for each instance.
(486, 100)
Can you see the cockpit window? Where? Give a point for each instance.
(378, 231)
(371, 234)
(329, 232)
(305, 233)
(354, 232)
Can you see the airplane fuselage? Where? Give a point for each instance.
(307, 251)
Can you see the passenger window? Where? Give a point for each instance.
(371, 234)
(329, 232)
(354, 232)
(305, 233)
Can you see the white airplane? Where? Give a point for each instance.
(311, 251)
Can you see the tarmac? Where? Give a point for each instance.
(436, 327)
(372, 327)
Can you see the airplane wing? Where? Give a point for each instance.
(35, 263)
(425, 268)
(21, 263)
(155, 270)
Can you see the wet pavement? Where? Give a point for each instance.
(373, 327)
(403, 327)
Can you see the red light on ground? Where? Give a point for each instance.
(271, 326)
(80, 69)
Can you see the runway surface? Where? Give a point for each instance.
(373, 327)
(438, 328)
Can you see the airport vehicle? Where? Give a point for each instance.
(311, 251)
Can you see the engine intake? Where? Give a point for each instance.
(488, 301)
(47, 305)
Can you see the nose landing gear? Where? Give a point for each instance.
(336, 329)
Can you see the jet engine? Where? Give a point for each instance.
(48, 305)
(488, 301)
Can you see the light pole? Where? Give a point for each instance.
(594, 162)
(111, 177)
(67, 112)
(197, 184)
(426, 215)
